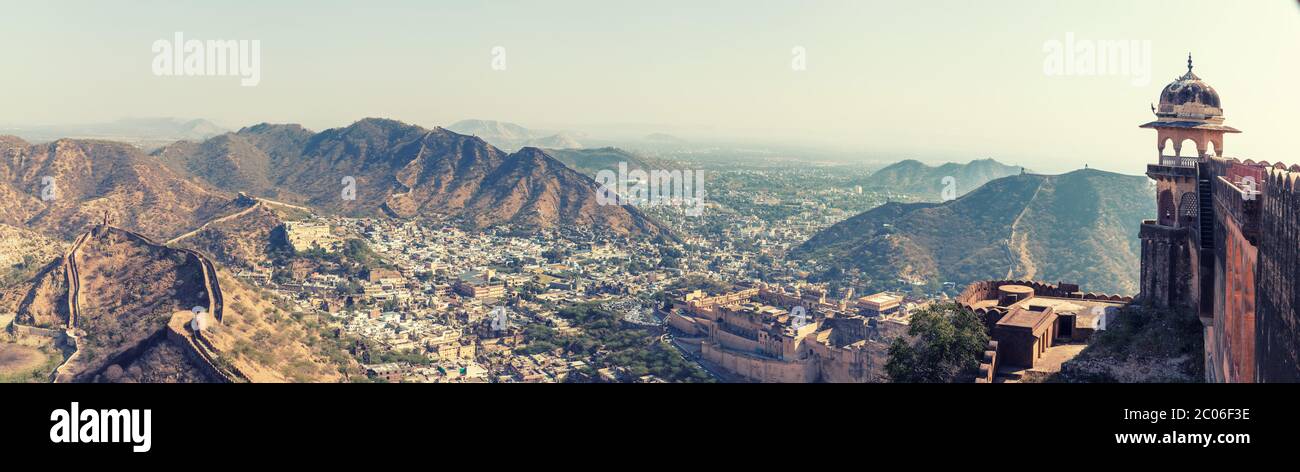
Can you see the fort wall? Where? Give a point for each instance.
(1277, 295)
(203, 356)
(178, 334)
(760, 369)
(1245, 284)
(1230, 333)
(860, 363)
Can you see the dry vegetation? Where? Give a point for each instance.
(271, 343)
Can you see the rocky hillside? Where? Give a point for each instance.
(62, 187)
(1142, 345)
(23, 252)
(1079, 227)
(241, 240)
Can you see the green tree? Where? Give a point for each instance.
(948, 343)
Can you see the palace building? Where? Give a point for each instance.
(766, 333)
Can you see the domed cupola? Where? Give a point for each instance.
(1189, 98)
(1189, 110)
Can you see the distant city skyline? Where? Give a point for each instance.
(935, 81)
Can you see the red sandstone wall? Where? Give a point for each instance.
(1231, 344)
(1255, 335)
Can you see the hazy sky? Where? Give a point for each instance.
(936, 79)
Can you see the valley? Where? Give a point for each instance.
(405, 282)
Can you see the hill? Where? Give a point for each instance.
(1079, 227)
(558, 141)
(591, 161)
(125, 303)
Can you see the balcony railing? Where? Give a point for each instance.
(1175, 161)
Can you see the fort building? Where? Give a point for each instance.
(1032, 323)
(1223, 243)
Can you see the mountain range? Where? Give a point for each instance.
(917, 178)
(128, 129)
(510, 136)
(373, 167)
(405, 171)
(1079, 227)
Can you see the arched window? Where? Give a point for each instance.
(1188, 149)
(1167, 147)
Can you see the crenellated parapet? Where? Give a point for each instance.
(989, 290)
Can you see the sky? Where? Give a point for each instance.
(933, 80)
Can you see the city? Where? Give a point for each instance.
(440, 304)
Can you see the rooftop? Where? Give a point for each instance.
(1028, 318)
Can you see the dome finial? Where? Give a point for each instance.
(1189, 62)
